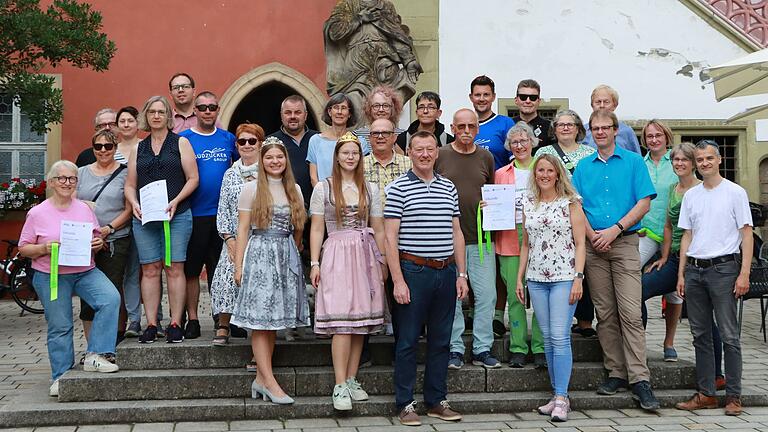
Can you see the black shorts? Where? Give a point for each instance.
(204, 248)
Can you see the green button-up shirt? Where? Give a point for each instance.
(662, 177)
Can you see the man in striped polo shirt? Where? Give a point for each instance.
(425, 254)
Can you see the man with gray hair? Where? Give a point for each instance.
(469, 167)
(105, 119)
(712, 275)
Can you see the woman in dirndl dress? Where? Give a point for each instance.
(350, 301)
(272, 293)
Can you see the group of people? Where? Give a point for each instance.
(390, 221)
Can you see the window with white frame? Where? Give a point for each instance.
(22, 150)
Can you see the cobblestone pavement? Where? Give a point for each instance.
(24, 365)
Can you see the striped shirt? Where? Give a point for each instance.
(426, 212)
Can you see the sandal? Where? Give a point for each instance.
(221, 340)
(251, 366)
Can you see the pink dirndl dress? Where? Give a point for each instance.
(350, 297)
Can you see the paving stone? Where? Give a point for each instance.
(202, 426)
(362, 421)
(396, 428)
(333, 429)
(704, 426)
(56, 429)
(604, 413)
(105, 428)
(718, 419)
(153, 427)
(311, 423)
(477, 418)
(596, 429)
(247, 425)
(523, 424)
(462, 425)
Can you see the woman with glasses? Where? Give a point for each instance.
(163, 155)
(42, 229)
(340, 115)
(102, 186)
(223, 288)
(349, 303)
(520, 141)
(569, 131)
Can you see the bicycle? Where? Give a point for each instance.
(17, 271)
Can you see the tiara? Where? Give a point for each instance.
(273, 140)
(349, 137)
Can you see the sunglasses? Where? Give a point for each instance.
(250, 141)
(107, 147)
(525, 97)
(209, 107)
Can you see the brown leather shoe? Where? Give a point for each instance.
(698, 401)
(443, 411)
(732, 405)
(408, 416)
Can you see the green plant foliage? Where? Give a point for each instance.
(31, 38)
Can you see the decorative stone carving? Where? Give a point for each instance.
(747, 16)
(366, 44)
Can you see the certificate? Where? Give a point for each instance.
(75, 238)
(154, 202)
(499, 210)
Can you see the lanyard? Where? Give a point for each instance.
(480, 235)
(167, 236)
(54, 280)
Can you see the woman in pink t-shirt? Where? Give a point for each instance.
(41, 230)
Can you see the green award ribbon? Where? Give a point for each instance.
(54, 271)
(167, 235)
(480, 235)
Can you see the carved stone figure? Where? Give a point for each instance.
(366, 44)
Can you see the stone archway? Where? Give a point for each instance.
(271, 73)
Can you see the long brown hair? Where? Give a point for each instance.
(563, 188)
(262, 202)
(362, 188)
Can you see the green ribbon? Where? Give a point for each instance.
(480, 235)
(54, 271)
(167, 235)
(651, 235)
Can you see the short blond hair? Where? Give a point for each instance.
(614, 94)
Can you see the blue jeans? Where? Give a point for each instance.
(550, 302)
(660, 282)
(433, 296)
(97, 290)
(483, 279)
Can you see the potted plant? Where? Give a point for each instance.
(20, 195)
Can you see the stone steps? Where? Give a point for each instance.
(79, 386)
(39, 410)
(200, 354)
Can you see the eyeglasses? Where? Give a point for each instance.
(209, 107)
(652, 136)
(565, 125)
(178, 87)
(66, 179)
(250, 141)
(340, 108)
(601, 128)
(160, 113)
(105, 125)
(378, 107)
(107, 146)
(521, 143)
(382, 134)
(530, 97)
(347, 154)
(427, 108)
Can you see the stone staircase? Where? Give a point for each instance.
(195, 381)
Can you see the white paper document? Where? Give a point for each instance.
(154, 202)
(499, 210)
(75, 238)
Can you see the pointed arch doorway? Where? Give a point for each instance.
(256, 97)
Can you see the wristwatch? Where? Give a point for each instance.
(621, 227)
(463, 275)
(111, 228)
(579, 275)
(314, 263)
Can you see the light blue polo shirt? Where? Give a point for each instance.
(611, 188)
(662, 177)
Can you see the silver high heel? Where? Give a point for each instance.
(261, 391)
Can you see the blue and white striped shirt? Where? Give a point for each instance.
(426, 212)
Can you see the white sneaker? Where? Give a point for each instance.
(54, 390)
(341, 398)
(98, 363)
(356, 390)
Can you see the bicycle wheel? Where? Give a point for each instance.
(22, 291)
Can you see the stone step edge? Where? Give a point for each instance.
(47, 412)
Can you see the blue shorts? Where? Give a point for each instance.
(150, 243)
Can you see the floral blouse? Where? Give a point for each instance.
(552, 251)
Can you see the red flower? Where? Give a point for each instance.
(5, 185)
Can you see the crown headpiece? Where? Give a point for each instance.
(273, 140)
(349, 137)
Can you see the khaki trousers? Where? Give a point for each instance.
(614, 283)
